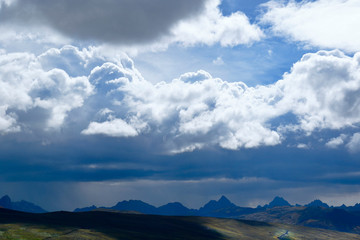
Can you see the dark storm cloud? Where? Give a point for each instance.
(116, 21)
(82, 158)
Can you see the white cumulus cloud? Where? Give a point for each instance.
(354, 143)
(323, 23)
(213, 27)
(322, 90)
(197, 110)
(336, 142)
(191, 112)
(25, 85)
(113, 128)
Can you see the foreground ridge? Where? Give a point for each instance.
(114, 225)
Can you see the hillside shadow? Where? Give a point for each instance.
(117, 225)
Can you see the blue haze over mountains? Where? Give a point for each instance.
(220, 208)
(22, 206)
(315, 214)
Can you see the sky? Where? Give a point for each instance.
(166, 100)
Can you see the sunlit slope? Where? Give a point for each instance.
(36, 232)
(245, 230)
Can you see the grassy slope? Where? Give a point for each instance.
(109, 225)
(247, 230)
(327, 218)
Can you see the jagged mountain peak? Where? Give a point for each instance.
(317, 203)
(223, 199)
(278, 202)
(214, 205)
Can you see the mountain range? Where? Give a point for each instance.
(220, 208)
(315, 214)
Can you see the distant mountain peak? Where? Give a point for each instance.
(5, 202)
(5, 198)
(23, 206)
(135, 205)
(174, 209)
(224, 199)
(317, 203)
(213, 205)
(278, 202)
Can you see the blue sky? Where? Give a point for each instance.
(102, 101)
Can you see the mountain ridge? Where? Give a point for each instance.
(213, 206)
(113, 225)
(23, 206)
(315, 214)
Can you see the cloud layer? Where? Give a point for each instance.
(191, 112)
(197, 110)
(139, 24)
(329, 24)
(110, 20)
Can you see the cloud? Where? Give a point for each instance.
(113, 128)
(138, 25)
(26, 86)
(336, 142)
(218, 61)
(111, 20)
(354, 143)
(194, 111)
(212, 27)
(302, 146)
(197, 110)
(330, 24)
(7, 122)
(322, 90)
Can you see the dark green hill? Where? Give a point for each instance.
(112, 225)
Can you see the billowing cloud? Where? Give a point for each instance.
(212, 27)
(191, 112)
(197, 110)
(322, 23)
(26, 86)
(322, 90)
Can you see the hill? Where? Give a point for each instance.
(112, 225)
(319, 217)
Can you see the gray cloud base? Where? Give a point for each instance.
(115, 21)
